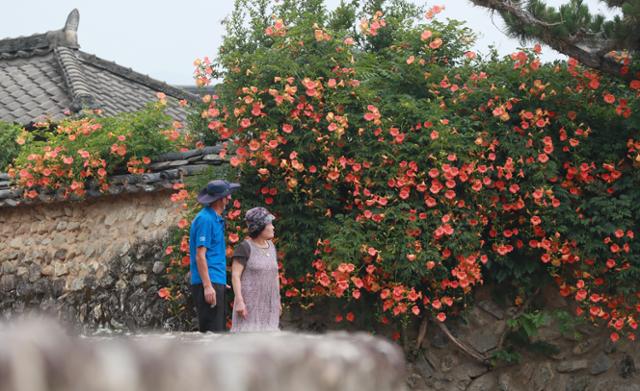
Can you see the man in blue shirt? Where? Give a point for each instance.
(208, 255)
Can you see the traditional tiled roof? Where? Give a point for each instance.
(166, 170)
(47, 75)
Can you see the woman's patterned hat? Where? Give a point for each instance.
(258, 218)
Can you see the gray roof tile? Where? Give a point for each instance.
(25, 99)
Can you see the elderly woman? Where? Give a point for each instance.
(254, 275)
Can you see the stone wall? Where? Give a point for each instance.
(93, 263)
(37, 356)
(565, 355)
(579, 358)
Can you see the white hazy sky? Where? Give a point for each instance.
(161, 38)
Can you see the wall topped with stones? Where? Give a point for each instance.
(165, 171)
(94, 262)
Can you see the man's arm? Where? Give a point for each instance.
(203, 271)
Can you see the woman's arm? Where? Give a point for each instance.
(278, 283)
(236, 272)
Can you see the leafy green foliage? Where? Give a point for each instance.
(67, 155)
(529, 323)
(505, 357)
(405, 171)
(9, 134)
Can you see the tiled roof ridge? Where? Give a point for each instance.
(24, 54)
(166, 170)
(76, 80)
(208, 90)
(137, 77)
(44, 42)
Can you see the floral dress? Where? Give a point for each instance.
(260, 288)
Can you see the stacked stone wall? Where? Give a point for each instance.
(94, 263)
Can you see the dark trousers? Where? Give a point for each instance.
(210, 318)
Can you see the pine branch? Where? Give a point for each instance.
(467, 349)
(584, 46)
(616, 3)
(422, 332)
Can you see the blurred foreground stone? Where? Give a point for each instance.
(38, 355)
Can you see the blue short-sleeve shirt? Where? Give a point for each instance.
(207, 230)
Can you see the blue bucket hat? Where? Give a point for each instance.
(216, 190)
